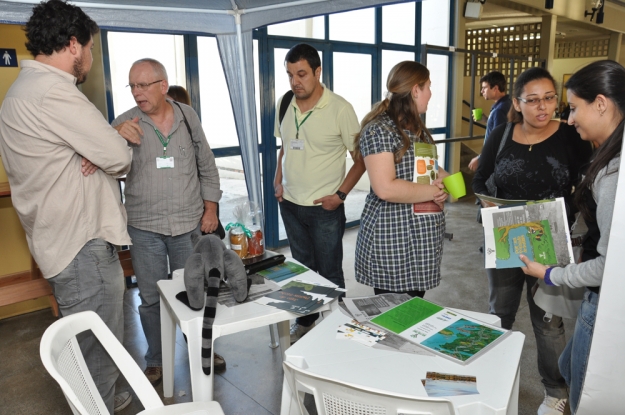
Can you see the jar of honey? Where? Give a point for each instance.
(256, 242)
(238, 242)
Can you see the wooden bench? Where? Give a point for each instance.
(28, 290)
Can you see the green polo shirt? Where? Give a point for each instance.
(328, 133)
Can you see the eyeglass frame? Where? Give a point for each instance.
(538, 100)
(142, 87)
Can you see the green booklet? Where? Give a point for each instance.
(446, 333)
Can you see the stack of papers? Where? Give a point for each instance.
(301, 297)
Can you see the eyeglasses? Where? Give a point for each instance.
(142, 87)
(534, 102)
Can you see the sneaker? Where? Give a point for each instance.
(154, 374)
(297, 331)
(122, 400)
(551, 406)
(219, 363)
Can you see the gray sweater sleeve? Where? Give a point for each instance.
(590, 273)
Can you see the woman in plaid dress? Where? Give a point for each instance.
(398, 251)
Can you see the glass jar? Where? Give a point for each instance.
(256, 242)
(238, 242)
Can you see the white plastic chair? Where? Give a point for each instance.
(62, 357)
(339, 398)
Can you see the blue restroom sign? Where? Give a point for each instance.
(8, 58)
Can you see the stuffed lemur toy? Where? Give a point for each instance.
(210, 262)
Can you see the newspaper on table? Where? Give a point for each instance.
(538, 230)
(301, 297)
(368, 307)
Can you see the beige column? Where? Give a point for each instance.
(614, 50)
(548, 39)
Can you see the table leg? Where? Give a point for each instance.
(201, 384)
(284, 336)
(273, 344)
(513, 405)
(168, 341)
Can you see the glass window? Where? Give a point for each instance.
(398, 24)
(167, 49)
(435, 22)
(352, 80)
(391, 58)
(313, 28)
(214, 96)
(437, 107)
(355, 26)
(441, 149)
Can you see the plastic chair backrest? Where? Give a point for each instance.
(63, 359)
(338, 398)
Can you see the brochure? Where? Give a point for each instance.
(257, 289)
(538, 230)
(283, 271)
(444, 384)
(446, 333)
(425, 172)
(301, 297)
(495, 201)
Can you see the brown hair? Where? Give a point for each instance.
(178, 93)
(400, 106)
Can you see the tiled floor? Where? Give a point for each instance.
(252, 383)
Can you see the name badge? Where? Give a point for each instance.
(297, 144)
(164, 162)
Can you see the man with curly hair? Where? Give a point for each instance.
(62, 157)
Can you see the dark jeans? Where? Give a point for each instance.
(506, 287)
(413, 294)
(316, 239)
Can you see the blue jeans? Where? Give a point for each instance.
(574, 359)
(316, 240)
(94, 281)
(150, 253)
(506, 288)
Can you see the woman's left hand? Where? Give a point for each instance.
(532, 268)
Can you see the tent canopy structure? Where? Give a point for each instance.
(232, 21)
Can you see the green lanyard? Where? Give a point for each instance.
(300, 124)
(163, 142)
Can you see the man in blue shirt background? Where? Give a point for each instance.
(493, 88)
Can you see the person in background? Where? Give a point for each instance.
(172, 191)
(396, 250)
(493, 89)
(179, 94)
(310, 182)
(596, 94)
(62, 158)
(540, 160)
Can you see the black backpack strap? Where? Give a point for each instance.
(284, 105)
(184, 118)
(220, 231)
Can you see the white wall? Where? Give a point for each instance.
(562, 67)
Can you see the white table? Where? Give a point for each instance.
(228, 320)
(497, 370)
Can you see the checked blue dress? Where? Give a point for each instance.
(396, 250)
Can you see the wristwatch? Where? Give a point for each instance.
(342, 195)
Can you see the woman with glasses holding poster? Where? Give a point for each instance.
(596, 94)
(533, 157)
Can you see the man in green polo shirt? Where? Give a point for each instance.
(317, 130)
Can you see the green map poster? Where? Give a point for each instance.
(406, 315)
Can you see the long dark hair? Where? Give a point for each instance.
(605, 78)
(532, 74)
(400, 106)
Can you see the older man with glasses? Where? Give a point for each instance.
(172, 191)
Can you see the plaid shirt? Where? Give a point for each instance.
(396, 250)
